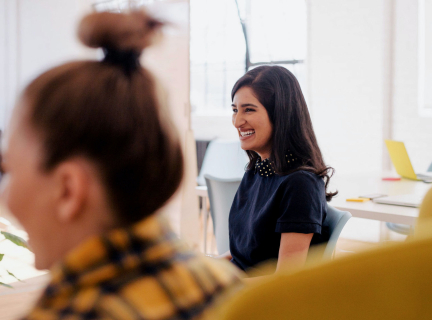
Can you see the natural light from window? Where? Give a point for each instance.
(276, 31)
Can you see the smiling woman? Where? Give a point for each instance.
(280, 206)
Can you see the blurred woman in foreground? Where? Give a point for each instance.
(89, 159)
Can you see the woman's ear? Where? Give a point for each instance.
(72, 181)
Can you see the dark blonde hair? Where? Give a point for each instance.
(109, 112)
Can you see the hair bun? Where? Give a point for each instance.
(120, 31)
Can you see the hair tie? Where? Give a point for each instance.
(127, 59)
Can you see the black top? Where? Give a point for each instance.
(267, 205)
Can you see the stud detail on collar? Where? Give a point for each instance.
(265, 167)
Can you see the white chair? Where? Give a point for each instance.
(223, 159)
(221, 194)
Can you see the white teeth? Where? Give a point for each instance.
(247, 133)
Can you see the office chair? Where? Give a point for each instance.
(335, 221)
(221, 195)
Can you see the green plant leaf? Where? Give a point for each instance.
(1, 256)
(15, 239)
(5, 285)
(11, 274)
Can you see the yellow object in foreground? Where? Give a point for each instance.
(358, 199)
(425, 211)
(392, 282)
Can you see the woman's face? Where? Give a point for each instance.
(26, 191)
(251, 120)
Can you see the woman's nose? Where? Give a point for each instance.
(238, 120)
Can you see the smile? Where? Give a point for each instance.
(247, 133)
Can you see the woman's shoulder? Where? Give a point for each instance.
(302, 178)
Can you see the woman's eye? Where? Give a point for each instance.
(249, 110)
(234, 110)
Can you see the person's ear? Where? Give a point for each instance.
(73, 184)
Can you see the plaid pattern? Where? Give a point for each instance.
(142, 272)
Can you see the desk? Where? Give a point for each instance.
(352, 186)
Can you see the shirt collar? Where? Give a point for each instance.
(122, 250)
(265, 167)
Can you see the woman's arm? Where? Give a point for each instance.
(293, 250)
(227, 255)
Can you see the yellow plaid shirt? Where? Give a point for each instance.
(141, 272)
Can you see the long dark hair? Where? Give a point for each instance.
(279, 92)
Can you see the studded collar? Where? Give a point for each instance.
(265, 168)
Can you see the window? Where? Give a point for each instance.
(275, 31)
(217, 54)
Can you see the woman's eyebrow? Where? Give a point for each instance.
(245, 105)
(248, 105)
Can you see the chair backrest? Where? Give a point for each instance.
(221, 195)
(223, 159)
(335, 221)
(391, 282)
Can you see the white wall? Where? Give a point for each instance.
(408, 126)
(35, 35)
(47, 34)
(347, 85)
(363, 82)
(9, 75)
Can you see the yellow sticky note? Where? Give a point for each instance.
(358, 199)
